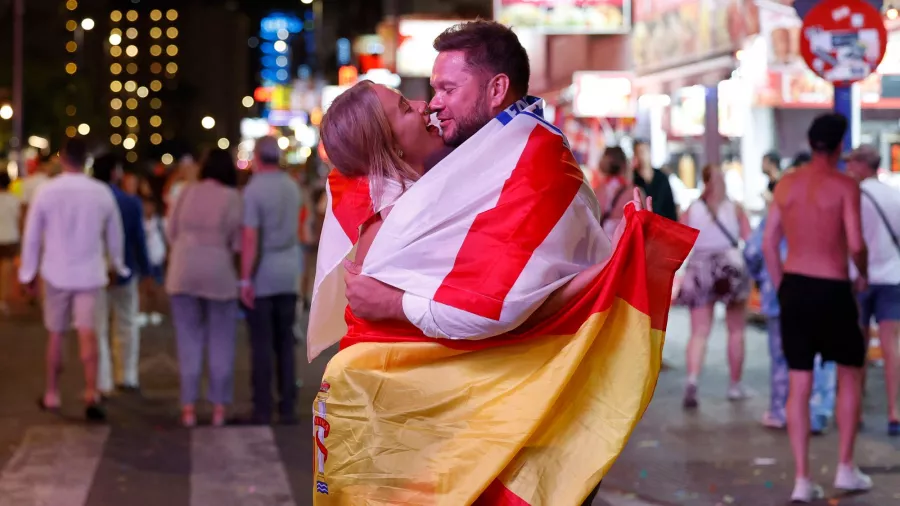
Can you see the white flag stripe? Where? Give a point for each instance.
(237, 466)
(53, 466)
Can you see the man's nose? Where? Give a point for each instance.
(436, 104)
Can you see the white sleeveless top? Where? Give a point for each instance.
(712, 238)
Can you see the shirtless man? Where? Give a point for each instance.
(818, 210)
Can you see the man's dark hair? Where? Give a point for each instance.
(5, 180)
(827, 133)
(74, 151)
(773, 157)
(490, 47)
(104, 167)
(618, 158)
(219, 166)
(801, 158)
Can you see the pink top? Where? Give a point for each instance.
(204, 233)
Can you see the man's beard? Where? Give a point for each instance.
(470, 124)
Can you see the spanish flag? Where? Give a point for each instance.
(528, 419)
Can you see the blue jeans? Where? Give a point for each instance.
(821, 404)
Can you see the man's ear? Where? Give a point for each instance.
(497, 89)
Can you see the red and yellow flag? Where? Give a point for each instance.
(533, 419)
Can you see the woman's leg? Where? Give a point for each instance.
(701, 323)
(187, 316)
(779, 376)
(889, 335)
(736, 321)
(222, 332)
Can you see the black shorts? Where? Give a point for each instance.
(819, 316)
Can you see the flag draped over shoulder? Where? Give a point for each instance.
(532, 419)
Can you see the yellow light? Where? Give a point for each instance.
(315, 116)
(224, 143)
(72, 5)
(172, 67)
(71, 68)
(130, 86)
(307, 2)
(71, 46)
(172, 15)
(115, 139)
(892, 13)
(115, 51)
(132, 15)
(155, 121)
(155, 32)
(305, 151)
(156, 68)
(115, 121)
(156, 14)
(143, 92)
(172, 32)
(131, 33)
(132, 137)
(84, 129)
(115, 86)
(71, 110)
(247, 102)
(208, 122)
(131, 157)
(155, 139)
(131, 51)
(172, 50)
(155, 85)
(132, 68)
(155, 103)
(71, 131)
(284, 142)
(167, 159)
(87, 24)
(115, 68)
(115, 39)
(132, 122)
(6, 111)
(155, 50)
(115, 16)
(71, 25)
(116, 103)
(131, 104)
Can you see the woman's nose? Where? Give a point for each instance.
(421, 107)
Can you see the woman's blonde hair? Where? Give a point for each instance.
(358, 139)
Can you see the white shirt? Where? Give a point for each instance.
(65, 230)
(884, 259)
(31, 184)
(156, 243)
(10, 211)
(711, 238)
(439, 320)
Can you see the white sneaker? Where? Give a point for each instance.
(737, 392)
(155, 319)
(806, 491)
(851, 479)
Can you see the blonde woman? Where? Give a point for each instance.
(715, 273)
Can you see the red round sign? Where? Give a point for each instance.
(843, 41)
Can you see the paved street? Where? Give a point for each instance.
(716, 456)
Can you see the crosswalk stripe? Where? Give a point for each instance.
(53, 466)
(237, 466)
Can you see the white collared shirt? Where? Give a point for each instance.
(65, 229)
(884, 259)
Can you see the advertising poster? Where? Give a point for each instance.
(566, 16)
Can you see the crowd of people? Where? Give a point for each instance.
(107, 253)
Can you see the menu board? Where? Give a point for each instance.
(566, 16)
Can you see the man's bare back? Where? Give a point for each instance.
(817, 209)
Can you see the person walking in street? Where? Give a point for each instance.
(270, 275)
(123, 293)
(204, 230)
(653, 182)
(771, 167)
(68, 223)
(152, 298)
(614, 188)
(10, 226)
(880, 208)
(818, 210)
(715, 272)
(821, 405)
